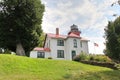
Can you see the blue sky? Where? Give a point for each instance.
(91, 16)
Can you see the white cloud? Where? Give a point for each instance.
(87, 14)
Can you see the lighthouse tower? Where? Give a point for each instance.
(74, 30)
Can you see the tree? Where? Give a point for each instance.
(115, 2)
(112, 36)
(20, 24)
(42, 39)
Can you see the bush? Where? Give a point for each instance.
(102, 58)
(80, 57)
(91, 58)
(7, 51)
(83, 56)
(76, 58)
(117, 66)
(49, 57)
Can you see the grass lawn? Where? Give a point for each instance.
(22, 68)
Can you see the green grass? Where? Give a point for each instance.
(22, 68)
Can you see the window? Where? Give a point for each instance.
(75, 43)
(60, 42)
(81, 43)
(60, 53)
(40, 55)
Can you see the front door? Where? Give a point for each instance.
(73, 54)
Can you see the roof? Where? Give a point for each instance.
(42, 49)
(84, 39)
(63, 36)
(57, 36)
(73, 35)
(38, 49)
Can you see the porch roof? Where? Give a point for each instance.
(41, 49)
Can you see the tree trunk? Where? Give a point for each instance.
(20, 50)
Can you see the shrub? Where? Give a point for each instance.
(102, 58)
(91, 57)
(117, 66)
(80, 57)
(76, 58)
(49, 57)
(99, 58)
(7, 51)
(83, 56)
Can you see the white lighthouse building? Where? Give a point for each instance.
(63, 47)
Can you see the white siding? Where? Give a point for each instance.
(47, 54)
(85, 46)
(54, 48)
(68, 48)
(33, 54)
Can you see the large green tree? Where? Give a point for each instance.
(20, 24)
(112, 36)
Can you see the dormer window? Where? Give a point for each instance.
(75, 43)
(60, 42)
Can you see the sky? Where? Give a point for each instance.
(91, 17)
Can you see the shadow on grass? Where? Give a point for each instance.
(102, 75)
